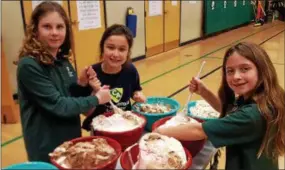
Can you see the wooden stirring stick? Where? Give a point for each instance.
(115, 108)
(191, 94)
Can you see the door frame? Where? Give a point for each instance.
(163, 19)
(145, 15)
(203, 31)
(179, 25)
(23, 15)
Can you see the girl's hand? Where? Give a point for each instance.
(95, 84)
(196, 86)
(139, 97)
(160, 131)
(85, 75)
(83, 78)
(91, 73)
(103, 95)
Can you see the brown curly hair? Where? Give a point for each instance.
(33, 47)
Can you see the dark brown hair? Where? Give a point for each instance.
(117, 29)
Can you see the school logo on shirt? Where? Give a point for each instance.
(70, 73)
(116, 94)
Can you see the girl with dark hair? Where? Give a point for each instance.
(116, 71)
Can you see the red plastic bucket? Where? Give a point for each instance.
(194, 147)
(126, 138)
(134, 151)
(108, 165)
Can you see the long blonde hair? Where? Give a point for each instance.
(32, 46)
(268, 95)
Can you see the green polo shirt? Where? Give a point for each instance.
(242, 132)
(49, 116)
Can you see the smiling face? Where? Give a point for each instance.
(116, 51)
(241, 74)
(52, 31)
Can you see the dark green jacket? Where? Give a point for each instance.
(49, 116)
(242, 132)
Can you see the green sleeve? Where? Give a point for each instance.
(242, 126)
(41, 91)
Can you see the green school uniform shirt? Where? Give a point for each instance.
(49, 116)
(242, 132)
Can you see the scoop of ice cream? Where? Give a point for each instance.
(117, 122)
(178, 120)
(154, 108)
(84, 155)
(204, 110)
(160, 152)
